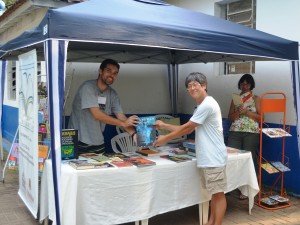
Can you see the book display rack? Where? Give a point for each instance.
(273, 102)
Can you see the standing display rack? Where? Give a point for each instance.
(273, 102)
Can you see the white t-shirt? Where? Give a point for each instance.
(209, 141)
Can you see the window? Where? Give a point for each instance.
(11, 81)
(242, 12)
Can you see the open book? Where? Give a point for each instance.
(275, 132)
(240, 99)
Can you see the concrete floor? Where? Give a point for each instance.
(14, 212)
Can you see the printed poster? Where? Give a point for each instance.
(28, 131)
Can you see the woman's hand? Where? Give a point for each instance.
(160, 140)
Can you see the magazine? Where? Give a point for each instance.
(268, 201)
(280, 166)
(279, 198)
(146, 131)
(275, 132)
(269, 168)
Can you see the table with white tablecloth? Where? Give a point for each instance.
(121, 195)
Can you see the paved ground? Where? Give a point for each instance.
(14, 212)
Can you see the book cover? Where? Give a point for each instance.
(268, 201)
(275, 132)
(100, 165)
(280, 166)
(88, 155)
(237, 99)
(240, 99)
(279, 198)
(79, 164)
(69, 144)
(146, 131)
(148, 152)
(121, 163)
(42, 156)
(269, 168)
(14, 156)
(12, 163)
(176, 159)
(178, 151)
(114, 155)
(189, 145)
(141, 162)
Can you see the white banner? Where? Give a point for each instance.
(28, 131)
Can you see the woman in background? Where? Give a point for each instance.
(244, 130)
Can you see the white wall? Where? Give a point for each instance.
(276, 17)
(143, 89)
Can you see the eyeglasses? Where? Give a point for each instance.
(192, 86)
(244, 84)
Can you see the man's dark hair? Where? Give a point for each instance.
(249, 79)
(109, 61)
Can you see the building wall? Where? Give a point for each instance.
(277, 17)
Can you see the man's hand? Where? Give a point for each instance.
(131, 121)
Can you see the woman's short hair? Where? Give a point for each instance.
(249, 79)
(196, 76)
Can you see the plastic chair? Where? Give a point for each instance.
(164, 116)
(120, 130)
(123, 143)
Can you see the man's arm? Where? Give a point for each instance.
(161, 125)
(179, 131)
(134, 119)
(104, 118)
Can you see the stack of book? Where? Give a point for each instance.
(189, 148)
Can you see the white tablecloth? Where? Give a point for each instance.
(120, 195)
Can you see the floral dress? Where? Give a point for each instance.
(245, 123)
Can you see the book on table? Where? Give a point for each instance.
(269, 168)
(122, 163)
(141, 162)
(146, 131)
(101, 164)
(115, 155)
(148, 152)
(79, 164)
(177, 159)
(275, 132)
(189, 145)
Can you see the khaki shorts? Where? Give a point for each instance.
(214, 179)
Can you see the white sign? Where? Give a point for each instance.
(28, 131)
